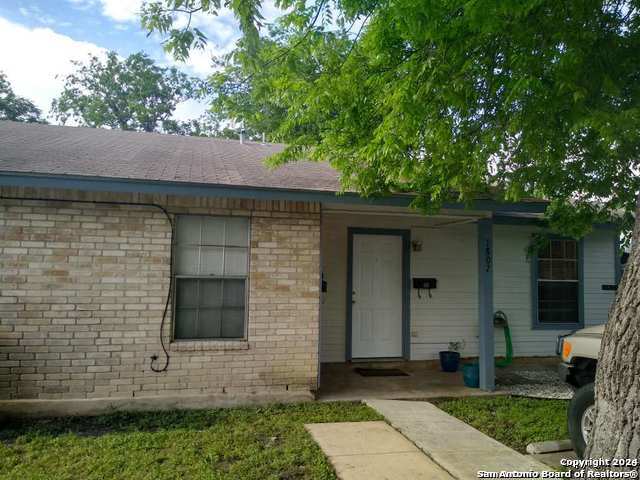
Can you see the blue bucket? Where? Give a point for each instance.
(471, 375)
(449, 361)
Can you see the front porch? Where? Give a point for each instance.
(340, 381)
(401, 286)
(526, 376)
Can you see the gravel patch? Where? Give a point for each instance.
(532, 382)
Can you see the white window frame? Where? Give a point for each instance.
(177, 277)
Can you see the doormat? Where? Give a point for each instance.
(381, 372)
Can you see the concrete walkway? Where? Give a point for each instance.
(373, 451)
(459, 449)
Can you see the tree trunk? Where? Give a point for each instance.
(617, 424)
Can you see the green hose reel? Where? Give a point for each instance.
(500, 321)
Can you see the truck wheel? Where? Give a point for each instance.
(581, 417)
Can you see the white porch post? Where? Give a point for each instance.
(485, 304)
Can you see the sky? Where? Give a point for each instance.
(40, 38)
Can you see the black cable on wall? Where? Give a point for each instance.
(154, 358)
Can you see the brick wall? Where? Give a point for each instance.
(83, 288)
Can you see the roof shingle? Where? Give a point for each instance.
(56, 150)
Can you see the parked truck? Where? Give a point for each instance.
(579, 353)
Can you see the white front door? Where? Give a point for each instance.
(376, 315)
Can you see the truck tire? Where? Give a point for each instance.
(581, 415)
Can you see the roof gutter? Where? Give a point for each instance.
(158, 187)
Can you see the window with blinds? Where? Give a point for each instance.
(211, 271)
(558, 283)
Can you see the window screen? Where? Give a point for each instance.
(558, 284)
(211, 265)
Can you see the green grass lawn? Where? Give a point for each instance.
(514, 421)
(240, 443)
